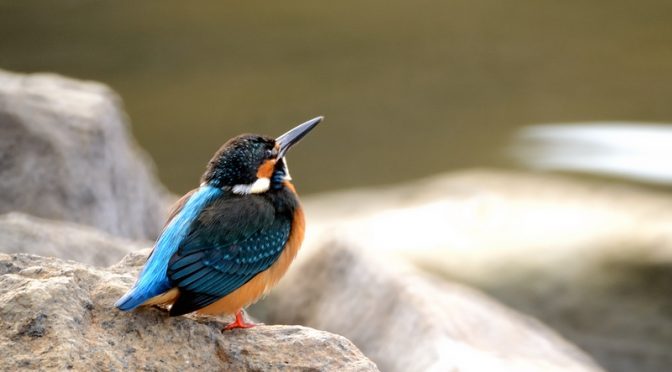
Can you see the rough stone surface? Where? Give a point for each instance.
(66, 154)
(58, 315)
(406, 321)
(592, 259)
(20, 233)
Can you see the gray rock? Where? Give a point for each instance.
(66, 154)
(406, 321)
(58, 315)
(592, 259)
(20, 233)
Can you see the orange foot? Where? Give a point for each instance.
(238, 323)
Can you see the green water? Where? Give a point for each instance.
(408, 88)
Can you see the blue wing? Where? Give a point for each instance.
(153, 280)
(233, 240)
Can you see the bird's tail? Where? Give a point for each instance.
(130, 300)
(138, 295)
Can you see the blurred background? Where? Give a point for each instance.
(408, 88)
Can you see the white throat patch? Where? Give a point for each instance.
(287, 176)
(256, 187)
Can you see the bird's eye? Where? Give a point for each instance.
(269, 153)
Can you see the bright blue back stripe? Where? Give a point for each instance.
(153, 279)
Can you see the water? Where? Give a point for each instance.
(635, 151)
(408, 88)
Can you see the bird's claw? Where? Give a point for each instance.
(238, 323)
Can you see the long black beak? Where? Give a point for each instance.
(291, 138)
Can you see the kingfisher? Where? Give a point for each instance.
(228, 242)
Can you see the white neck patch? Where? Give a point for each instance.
(287, 176)
(256, 187)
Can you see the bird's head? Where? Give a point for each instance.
(252, 163)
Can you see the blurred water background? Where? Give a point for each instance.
(408, 88)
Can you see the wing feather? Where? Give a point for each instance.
(233, 240)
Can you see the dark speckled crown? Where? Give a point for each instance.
(237, 161)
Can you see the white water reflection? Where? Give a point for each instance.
(638, 151)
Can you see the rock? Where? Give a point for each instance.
(66, 154)
(590, 258)
(59, 315)
(20, 233)
(473, 221)
(406, 321)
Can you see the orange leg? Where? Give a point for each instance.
(239, 322)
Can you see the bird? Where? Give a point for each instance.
(229, 241)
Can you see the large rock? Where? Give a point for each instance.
(406, 321)
(591, 259)
(20, 233)
(66, 154)
(58, 315)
